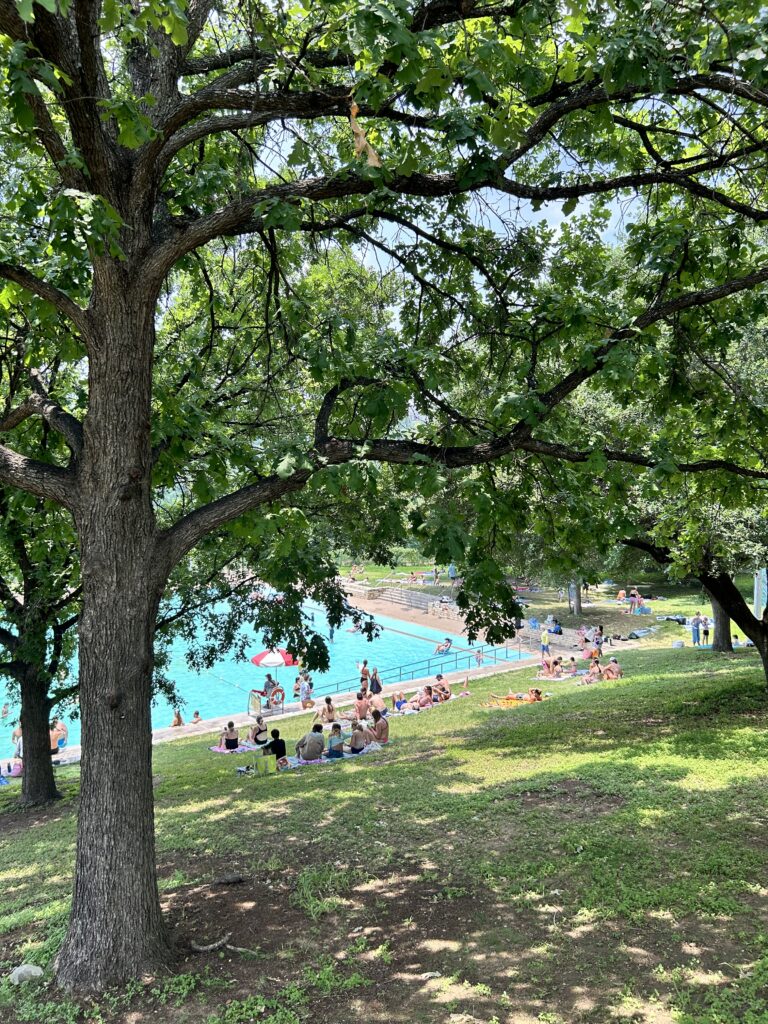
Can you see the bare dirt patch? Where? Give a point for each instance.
(569, 797)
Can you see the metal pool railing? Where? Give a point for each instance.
(453, 661)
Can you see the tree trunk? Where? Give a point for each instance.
(722, 589)
(116, 931)
(577, 610)
(38, 785)
(722, 628)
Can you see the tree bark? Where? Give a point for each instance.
(38, 785)
(722, 628)
(116, 931)
(577, 609)
(721, 587)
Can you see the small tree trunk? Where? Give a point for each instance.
(721, 640)
(577, 597)
(38, 785)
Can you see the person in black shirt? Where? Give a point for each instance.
(276, 746)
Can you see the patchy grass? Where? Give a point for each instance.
(594, 858)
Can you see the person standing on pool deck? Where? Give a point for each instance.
(365, 675)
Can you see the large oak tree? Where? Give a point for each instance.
(415, 130)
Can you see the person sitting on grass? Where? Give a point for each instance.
(258, 732)
(335, 742)
(573, 668)
(613, 670)
(423, 698)
(230, 738)
(441, 688)
(376, 702)
(276, 746)
(379, 731)
(310, 746)
(399, 701)
(595, 671)
(557, 669)
(326, 714)
(444, 647)
(357, 741)
(360, 709)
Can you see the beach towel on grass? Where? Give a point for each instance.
(299, 762)
(244, 748)
(428, 707)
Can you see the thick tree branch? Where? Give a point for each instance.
(565, 454)
(38, 478)
(64, 423)
(8, 640)
(323, 417)
(41, 404)
(182, 537)
(174, 543)
(49, 292)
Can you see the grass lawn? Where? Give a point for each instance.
(599, 857)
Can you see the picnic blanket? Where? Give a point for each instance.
(299, 762)
(244, 748)
(429, 707)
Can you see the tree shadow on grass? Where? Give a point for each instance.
(574, 907)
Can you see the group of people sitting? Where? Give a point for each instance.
(270, 743)
(557, 668)
(312, 745)
(366, 704)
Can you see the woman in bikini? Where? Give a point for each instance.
(230, 738)
(258, 733)
(326, 713)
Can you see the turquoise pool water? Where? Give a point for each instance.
(223, 690)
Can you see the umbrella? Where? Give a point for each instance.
(274, 658)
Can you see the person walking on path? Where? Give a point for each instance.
(544, 641)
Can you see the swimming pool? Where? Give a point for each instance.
(223, 689)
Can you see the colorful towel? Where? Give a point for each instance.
(244, 748)
(298, 762)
